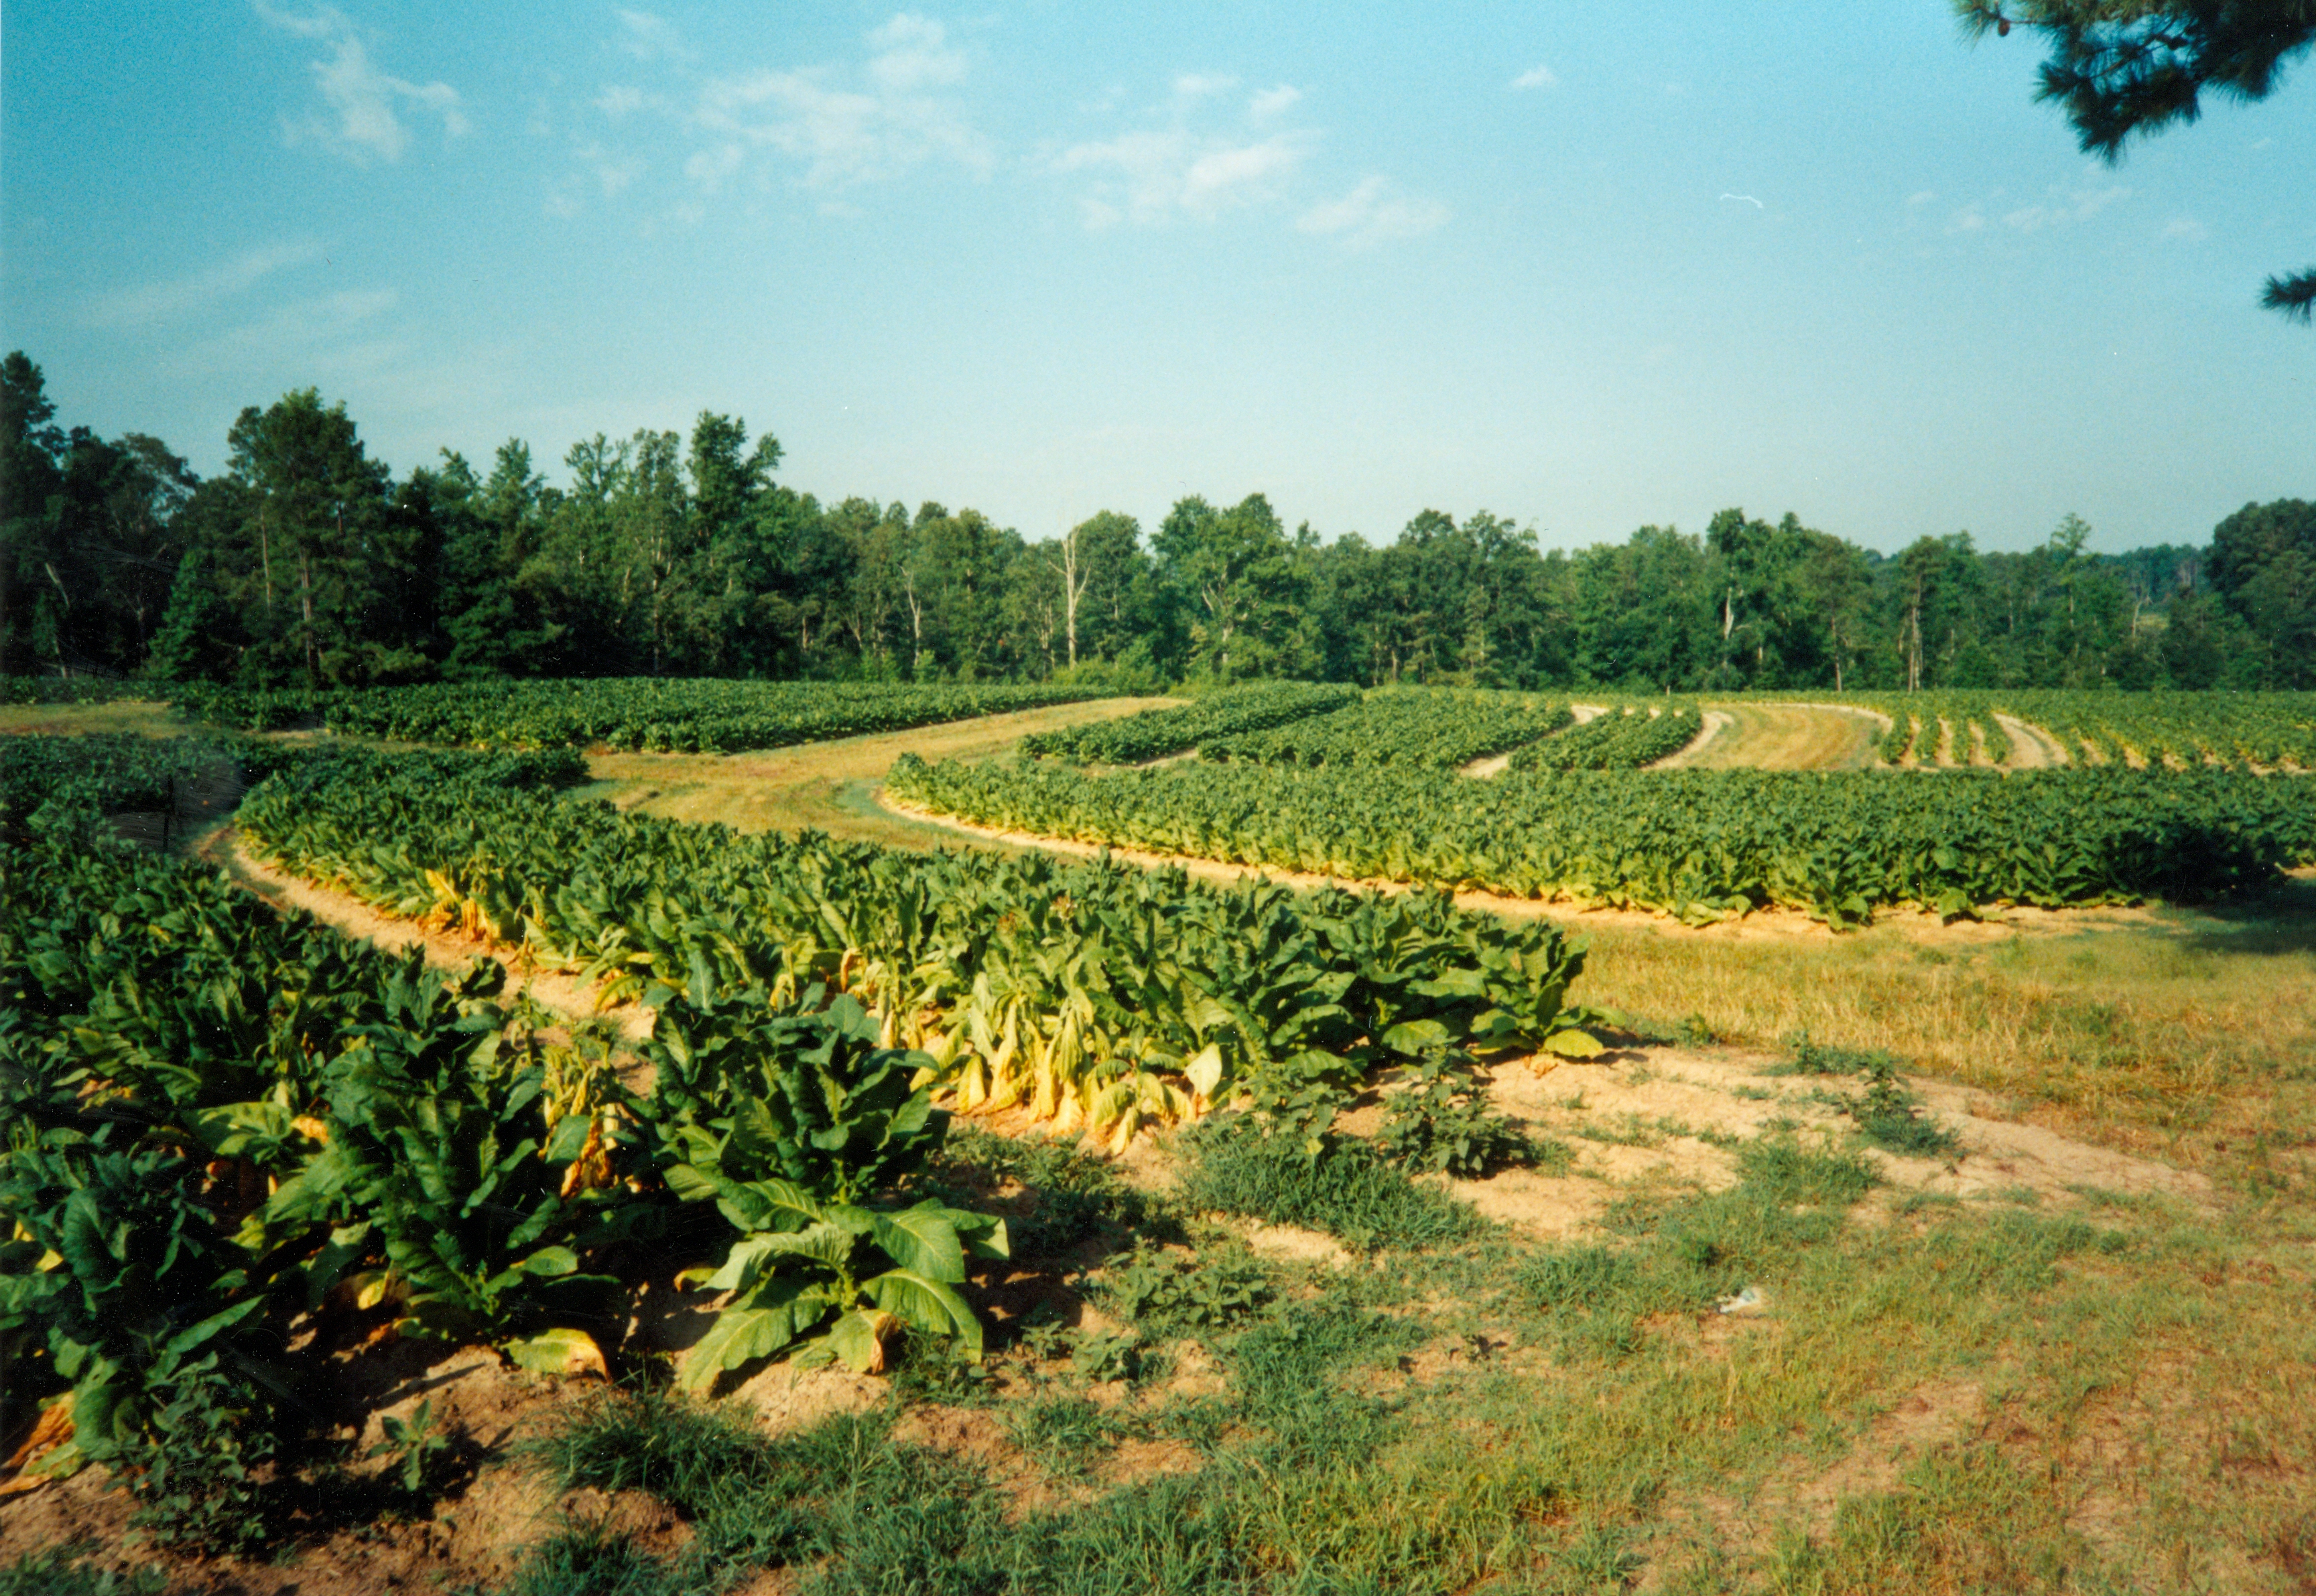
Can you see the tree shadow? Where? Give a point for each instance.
(2281, 919)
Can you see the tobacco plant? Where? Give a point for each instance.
(794, 1127)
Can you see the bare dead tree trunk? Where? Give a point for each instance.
(1073, 576)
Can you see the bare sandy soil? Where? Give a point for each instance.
(2031, 747)
(1664, 1116)
(1716, 722)
(445, 950)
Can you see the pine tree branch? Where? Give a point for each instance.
(2295, 296)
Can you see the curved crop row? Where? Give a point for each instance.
(1699, 844)
(1098, 995)
(1156, 734)
(1426, 729)
(685, 716)
(1623, 739)
(2177, 729)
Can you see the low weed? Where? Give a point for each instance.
(1442, 1124)
(1887, 1115)
(588, 1560)
(1782, 1170)
(1347, 1188)
(66, 1571)
(1062, 1434)
(1169, 1294)
(198, 1488)
(1682, 1256)
(1893, 1119)
(1813, 1058)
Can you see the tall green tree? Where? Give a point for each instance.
(318, 565)
(2263, 569)
(492, 604)
(1242, 584)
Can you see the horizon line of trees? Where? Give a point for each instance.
(308, 562)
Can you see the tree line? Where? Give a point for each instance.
(307, 562)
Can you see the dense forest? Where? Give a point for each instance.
(308, 562)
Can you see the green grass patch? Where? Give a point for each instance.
(1347, 1188)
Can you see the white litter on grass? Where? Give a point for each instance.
(1744, 1302)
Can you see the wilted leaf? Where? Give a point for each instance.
(562, 1352)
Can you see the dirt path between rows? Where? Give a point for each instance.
(1716, 721)
(2031, 747)
(348, 916)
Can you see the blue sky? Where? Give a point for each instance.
(1586, 267)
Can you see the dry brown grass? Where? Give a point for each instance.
(81, 720)
(2190, 1034)
(1785, 737)
(821, 786)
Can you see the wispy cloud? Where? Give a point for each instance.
(1538, 76)
(2067, 208)
(160, 302)
(1273, 104)
(337, 327)
(361, 115)
(912, 53)
(1374, 213)
(2186, 229)
(1203, 85)
(845, 134)
(1154, 176)
(1200, 153)
(649, 36)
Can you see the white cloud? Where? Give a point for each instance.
(1538, 76)
(1272, 103)
(648, 37)
(612, 172)
(1372, 213)
(2186, 228)
(845, 136)
(361, 116)
(1152, 176)
(1195, 157)
(709, 167)
(1915, 202)
(842, 136)
(1203, 85)
(158, 301)
(913, 53)
(2069, 207)
(618, 100)
(300, 329)
(1968, 220)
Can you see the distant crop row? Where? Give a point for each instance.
(2232, 729)
(1698, 844)
(1160, 734)
(1624, 737)
(681, 716)
(1427, 728)
(2165, 730)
